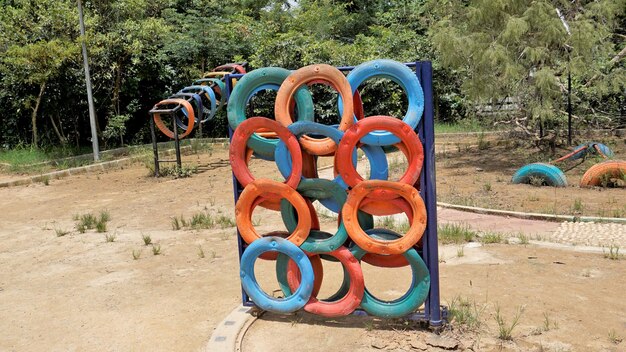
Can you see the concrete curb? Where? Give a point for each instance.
(103, 166)
(228, 335)
(531, 216)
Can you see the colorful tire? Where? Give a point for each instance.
(608, 169)
(241, 136)
(250, 285)
(372, 245)
(375, 155)
(207, 114)
(400, 74)
(592, 147)
(550, 174)
(283, 276)
(341, 306)
(264, 188)
(247, 87)
(185, 106)
(318, 189)
(218, 87)
(410, 140)
(216, 74)
(410, 301)
(196, 99)
(385, 261)
(235, 68)
(321, 73)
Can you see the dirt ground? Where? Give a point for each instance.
(79, 292)
(467, 175)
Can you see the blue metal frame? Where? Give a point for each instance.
(434, 313)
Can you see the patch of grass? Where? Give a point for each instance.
(491, 237)
(200, 252)
(61, 233)
(455, 233)
(613, 252)
(482, 143)
(389, 222)
(202, 221)
(110, 238)
(225, 222)
(460, 252)
(487, 187)
(549, 323)
(175, 171)
(85, 222)
(578, 206)
(136, 254)
(537, 181)
(101, 226)
(523, 239)
(176, 223)
(505, 329)
(465, 313)
(533, 198)
(147, 240)
(156, 249)
(46, 180)
(613, 337)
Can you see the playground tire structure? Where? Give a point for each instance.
(592, 147)
(550, 174)
(605, 170)
(293, 142)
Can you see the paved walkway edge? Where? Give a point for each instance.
(531, 216)
(228, 334)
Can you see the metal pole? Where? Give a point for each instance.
(92, 111)
(155, 148)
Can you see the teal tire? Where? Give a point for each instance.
(549, 174)
(246, 87)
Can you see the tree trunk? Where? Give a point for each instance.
(56, 130)
(33, 116)
(117, 88)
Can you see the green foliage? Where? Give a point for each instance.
(520, 49)
(141, 51)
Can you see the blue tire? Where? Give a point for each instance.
(208, 114)
(550, 174)
(252, 288)
(400, 74)
(592, 150)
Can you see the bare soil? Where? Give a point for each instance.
(80, 292)
(468, 175)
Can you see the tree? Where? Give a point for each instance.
(38, 44)
(519, 49)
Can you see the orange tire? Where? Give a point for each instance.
(371, 245)
(321, 73)
(610, 169)
(413, 151)
(238, 148)
(233, 67)
(190, 115)
(264, 188)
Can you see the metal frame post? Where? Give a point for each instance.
(155, 147)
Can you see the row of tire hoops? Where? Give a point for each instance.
(294, 141)
(599, 174)
(196, 104)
